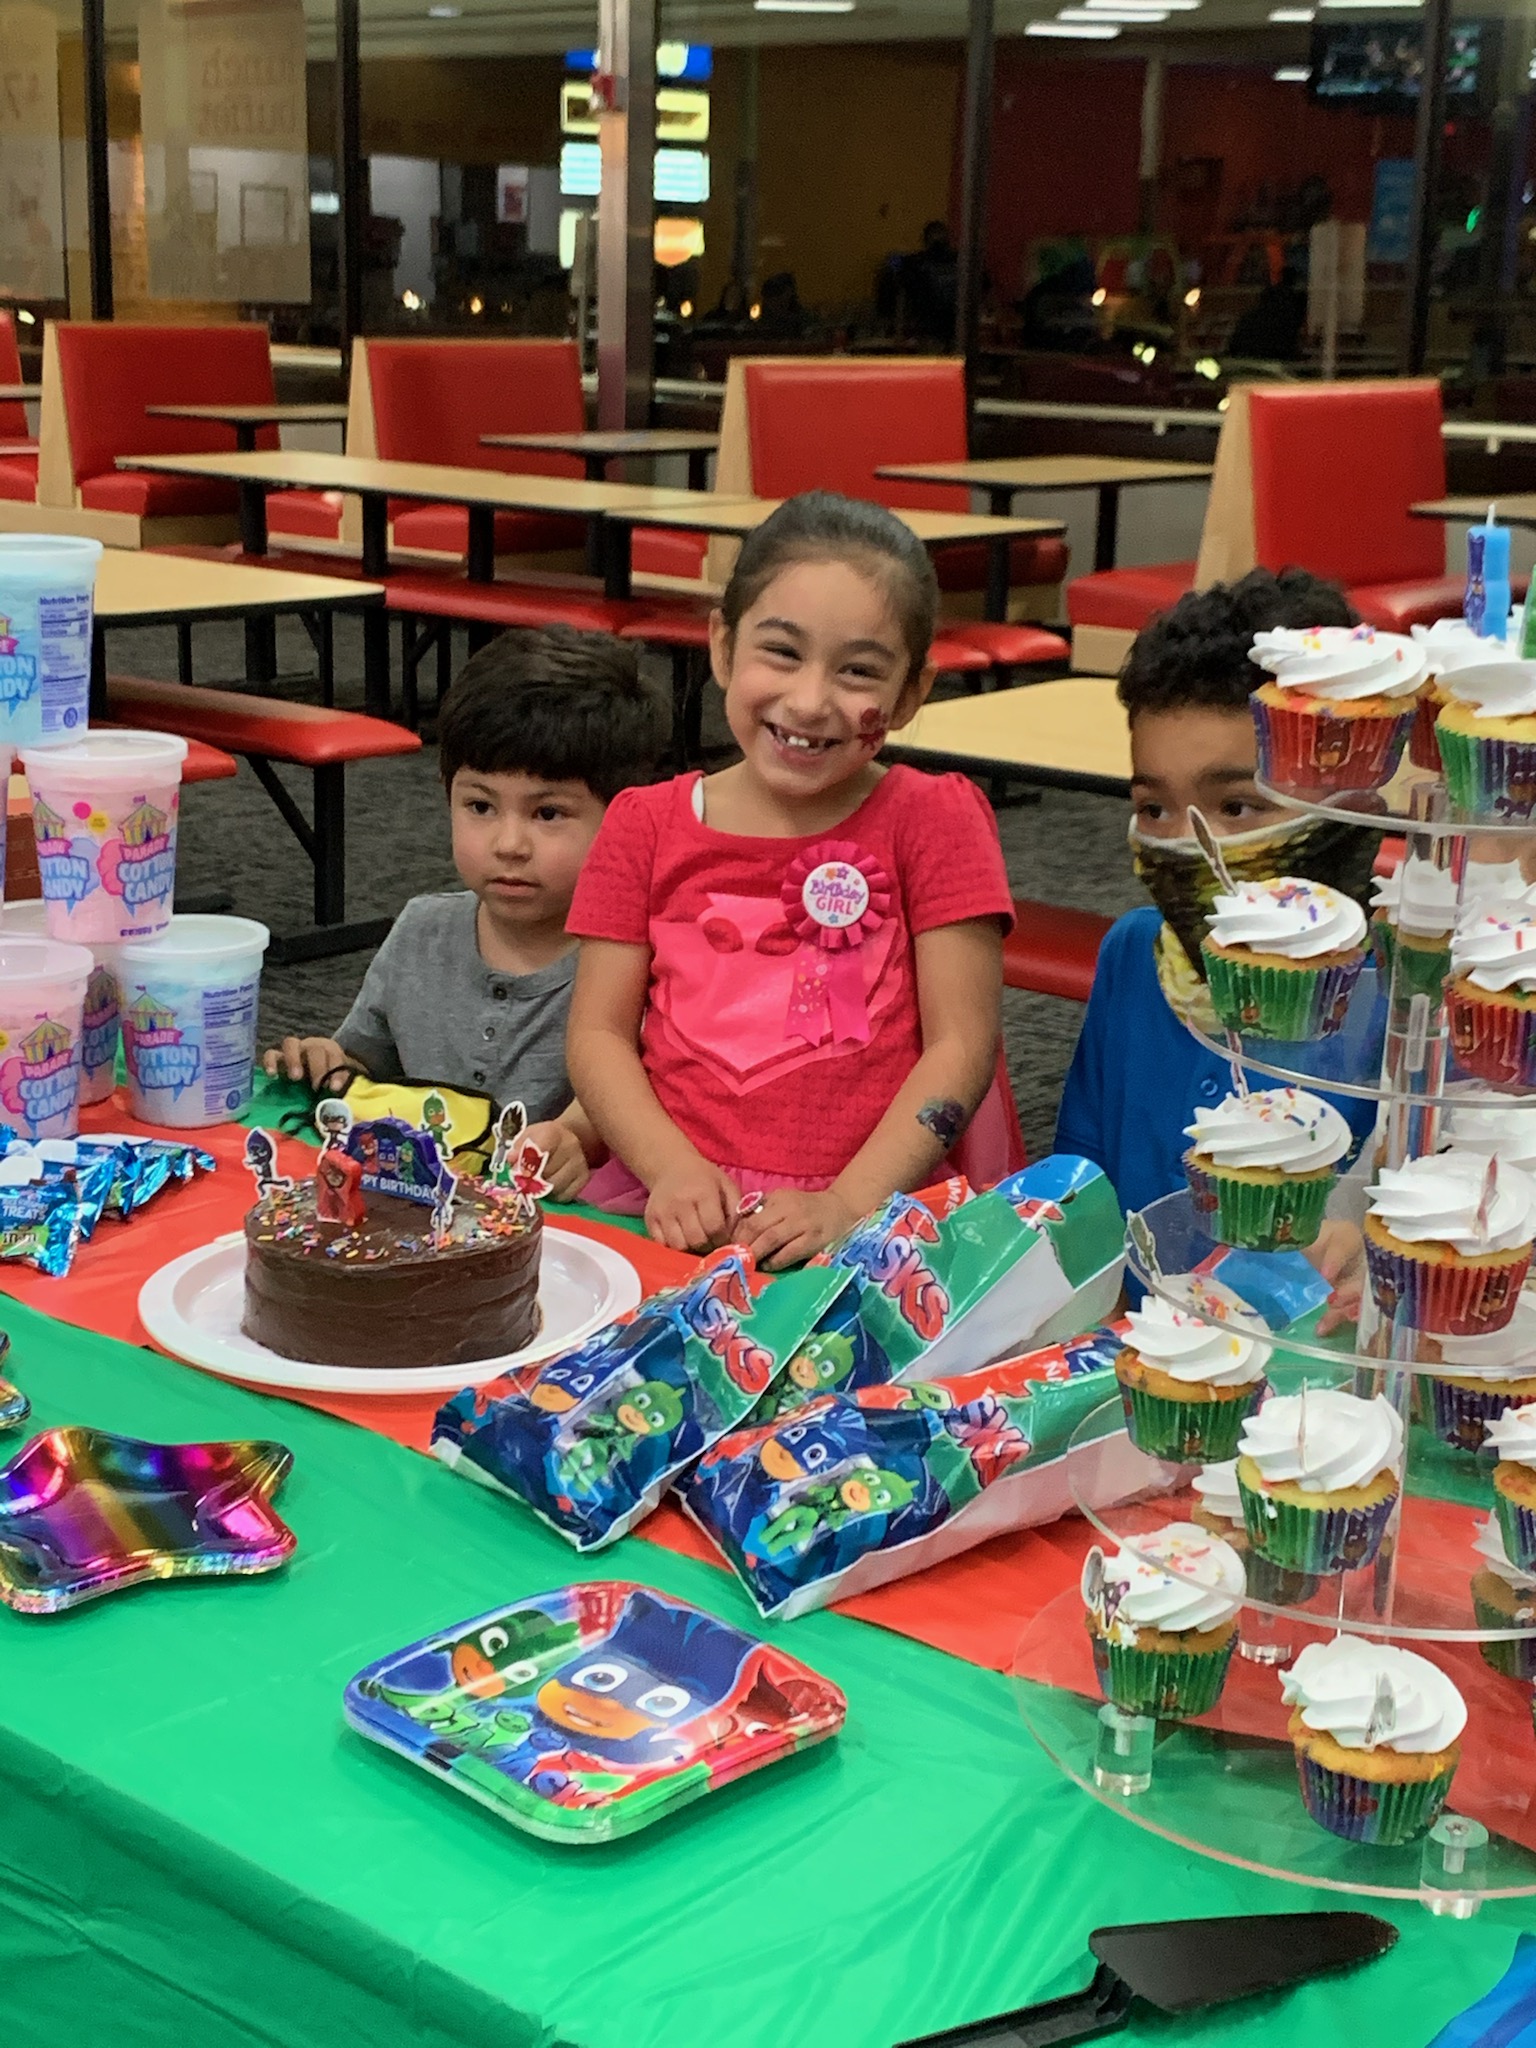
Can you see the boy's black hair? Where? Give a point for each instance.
(1196, 654)
(820, 526)
(551, 702)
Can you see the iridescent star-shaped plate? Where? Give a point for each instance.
(84, 1512)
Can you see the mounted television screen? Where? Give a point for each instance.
(1379, 65)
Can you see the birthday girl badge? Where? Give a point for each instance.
(835, 897)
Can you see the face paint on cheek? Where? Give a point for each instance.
(873, 728)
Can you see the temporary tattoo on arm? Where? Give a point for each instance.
(946, 1120)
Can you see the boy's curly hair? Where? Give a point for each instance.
(1196, 654)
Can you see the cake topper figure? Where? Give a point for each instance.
(526, 1176)
(510, 1126)
(261, 1160)
(333, 1120)
(339, 1188)
(442, 1207)
(434, 1117)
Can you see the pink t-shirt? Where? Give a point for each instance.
(782, 1014)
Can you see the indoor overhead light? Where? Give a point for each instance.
(1126, 14)
(1293, 74)
(1142, 6)
(1075, 31)
(803, 6)
(1292, 14)
(1395, 6)
(444, 13)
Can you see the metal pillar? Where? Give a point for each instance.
(98, 189)
(351, 174)
(976, 142)
(1427, 150)
(625, 90)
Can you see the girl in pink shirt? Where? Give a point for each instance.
(787, 1003)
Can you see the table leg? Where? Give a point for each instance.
(375, 535)
(597, 468)
(376, 689)
(253, 518)
(260, 649)
(698, 472)
(1107, 532)
(997, 576)
(97, 698)
(613, 543)
(481, 562)
(1000, 500)
(245, 437)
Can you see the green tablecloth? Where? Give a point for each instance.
(193, 1845)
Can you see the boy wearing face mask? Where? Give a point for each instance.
(1138, 1076)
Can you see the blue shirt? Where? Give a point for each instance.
(1138, 1076)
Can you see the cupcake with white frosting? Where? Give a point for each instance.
(1263, 1165)
(1336, 711)
(1483, 1377)
(1486, 731)
(1448, 644)
(1448, 1242)
(1187, 1381)
(1504, 1597)
(1490, 1005)
(1283, 956)
(1220, 1510)
(1318, 1473)
(1377, 1732)
(1162, 1618)
(1481, 1121)
(1513, 1436)
(1415, 909)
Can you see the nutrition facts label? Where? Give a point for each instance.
(64, 651)
(229, 1033)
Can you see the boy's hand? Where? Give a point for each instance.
(306, 1059)
(567, 1170)
(792, 1224)
(693, 1207)
(1338, 1252)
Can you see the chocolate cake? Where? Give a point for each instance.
(384, 1294)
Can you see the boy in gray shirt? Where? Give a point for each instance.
(471, 989)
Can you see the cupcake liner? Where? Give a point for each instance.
(1368, 1809)
(1168, 1685)
(1459, 1414)
(1259, 1216)
(1321, 1540)
(1495, 1041)
(1423, 740)
(1294, 1003)
(1494, 777)
(1517, 1525)
(1453, 1300)
(1514, 1658)
(1184, 1430)
(1313, 749)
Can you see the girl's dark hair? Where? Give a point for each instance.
(819, 526)
(554, 703)
(1196, 653)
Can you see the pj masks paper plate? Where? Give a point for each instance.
(586, 1713)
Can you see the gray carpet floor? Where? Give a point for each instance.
(1065, 849)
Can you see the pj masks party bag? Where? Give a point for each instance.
(591, 1439)
(852, 1490)
(941, 1285)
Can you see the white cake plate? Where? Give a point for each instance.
(192, 1309)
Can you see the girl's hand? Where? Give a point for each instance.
(1339, 1255)
(692, 1207)
(791, 1225)
(307, 1059)
(566, 1168)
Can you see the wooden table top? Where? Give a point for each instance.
(1047, 472)
(1517, 510)
(1074, 728)
(612, 442)
(315, 470)
(136, 583)
(254, 415)
(17, 393)
(708, 512)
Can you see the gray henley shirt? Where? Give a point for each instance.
(430, 1009)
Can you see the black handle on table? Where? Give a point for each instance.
(1104, 2008)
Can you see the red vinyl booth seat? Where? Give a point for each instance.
(444, 530)
(1053, 950)
(424, 595)
(18, 478)
(109, 373)
(656, 552)
(315, 515)
(830, 426)
(1128, 598)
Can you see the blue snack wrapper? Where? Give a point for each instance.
(40, 1224)
(590, 1439)
(853, 1490)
